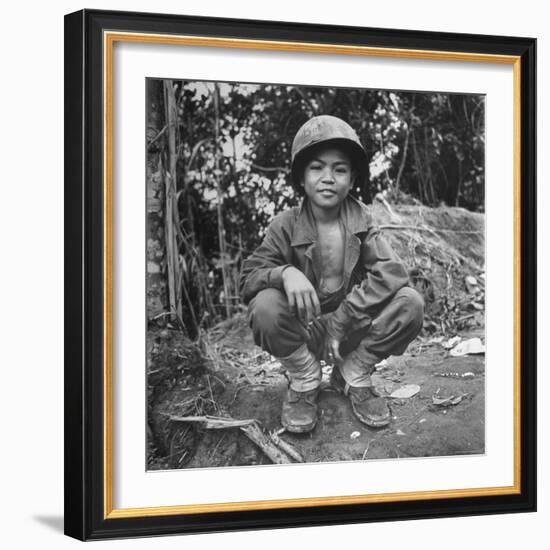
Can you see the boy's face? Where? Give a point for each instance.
(328, 177)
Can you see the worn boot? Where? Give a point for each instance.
(299, 413)
(366, 404)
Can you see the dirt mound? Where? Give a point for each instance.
(440, 235)
(444, 249)
(224, 375)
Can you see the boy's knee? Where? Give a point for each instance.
(412, 305)
(274, 329)
(266, 309)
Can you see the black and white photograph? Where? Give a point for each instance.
(315, 274)
(300, 276)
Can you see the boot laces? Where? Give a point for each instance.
(361, 393)
(307, 396)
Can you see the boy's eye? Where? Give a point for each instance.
(342, 171)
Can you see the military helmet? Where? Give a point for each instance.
(323, 129)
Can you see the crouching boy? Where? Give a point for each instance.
(325, 285)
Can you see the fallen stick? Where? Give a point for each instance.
(250, 428)
(272, 451)
(213, 422)
(286, 447)
(380, 197)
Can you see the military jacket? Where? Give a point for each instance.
(372, 273)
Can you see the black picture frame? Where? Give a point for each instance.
(87, 514)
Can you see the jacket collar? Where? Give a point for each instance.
(355, 216)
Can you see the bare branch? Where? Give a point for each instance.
(430, 229)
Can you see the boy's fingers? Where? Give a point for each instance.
(300, 307)
(316, 304)
(291, 302)
(310, 307)
(305, 312)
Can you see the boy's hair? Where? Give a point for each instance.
(323, 131)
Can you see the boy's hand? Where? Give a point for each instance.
(301, 295)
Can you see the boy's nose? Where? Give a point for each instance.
(328, 176)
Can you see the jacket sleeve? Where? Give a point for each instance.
(264, 267)
(383, 276)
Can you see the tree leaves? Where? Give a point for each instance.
(426, 145)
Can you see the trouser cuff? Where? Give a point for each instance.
(356, 370)
(303, 369)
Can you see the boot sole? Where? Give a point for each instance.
(371, 423)
(299, 429)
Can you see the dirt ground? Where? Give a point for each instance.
(418, 428)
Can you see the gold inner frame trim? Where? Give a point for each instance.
(109, 39)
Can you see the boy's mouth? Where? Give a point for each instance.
(327, 192)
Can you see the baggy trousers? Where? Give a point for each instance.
(278, 331)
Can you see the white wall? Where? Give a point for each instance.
(31, 325)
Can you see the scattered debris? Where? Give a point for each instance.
(406, 391)
(389, 387)
(278, 453)
(422, 420)
(468, 347)
(471, 284)
(451, 342)
(399, 432)
(466, 375)
(354, 435)
(448, 401)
